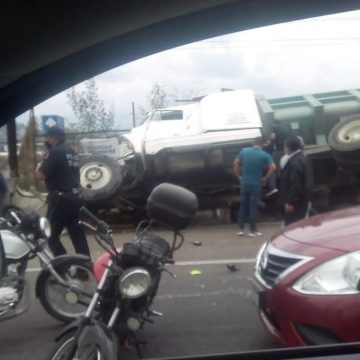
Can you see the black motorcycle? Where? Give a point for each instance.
(131, 276)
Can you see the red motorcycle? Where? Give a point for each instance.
(128, 279)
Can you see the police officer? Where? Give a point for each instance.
(60, 170)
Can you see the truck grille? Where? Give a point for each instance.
(273, 263)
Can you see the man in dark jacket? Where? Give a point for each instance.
(276, 147)
(296, 181)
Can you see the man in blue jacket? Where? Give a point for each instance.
(255, 167)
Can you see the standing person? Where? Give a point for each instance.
(60, 170)
(253, 163)
(277, 141)
(296, 181)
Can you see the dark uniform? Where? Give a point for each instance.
(296, 183)
(62, 178)
(277, 151)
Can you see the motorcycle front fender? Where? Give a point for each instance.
(94, 333)
(70, 327)
(56, 262)
(102, 337)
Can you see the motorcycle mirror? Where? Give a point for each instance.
(30, 221)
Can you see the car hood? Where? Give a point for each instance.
(338, 230)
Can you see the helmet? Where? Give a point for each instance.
(57, 132)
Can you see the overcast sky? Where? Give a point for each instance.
(303, 57)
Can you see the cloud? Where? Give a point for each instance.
(301, 57)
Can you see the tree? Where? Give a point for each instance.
(89, 109)
(186, 96)
(161, 96)
(27, 154)
(157, 98)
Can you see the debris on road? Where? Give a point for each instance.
(197, 243)
(195, 272)
(232, 267)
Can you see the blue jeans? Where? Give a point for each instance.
(249, 199)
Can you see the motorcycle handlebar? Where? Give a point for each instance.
(99, 226)
(84, 211)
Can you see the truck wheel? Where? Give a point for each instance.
(100, 178)
(344, 140)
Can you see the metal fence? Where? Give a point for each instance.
(75, 138)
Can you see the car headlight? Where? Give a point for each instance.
(134, 283)
(45, 227)
(336, 277)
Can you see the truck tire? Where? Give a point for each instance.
(100, 178)
(344, 141)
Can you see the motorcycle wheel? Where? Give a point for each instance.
(59, 301)
(64, 345)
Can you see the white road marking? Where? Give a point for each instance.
(215, 262)
(246, 293)
(192, 263)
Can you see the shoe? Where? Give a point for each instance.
(240, 233)
(255, 233)
(271, 192)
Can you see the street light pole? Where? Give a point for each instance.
(12, 148)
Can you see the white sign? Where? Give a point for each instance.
(109, 147)
(295, 126)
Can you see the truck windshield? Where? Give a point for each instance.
(167, 115)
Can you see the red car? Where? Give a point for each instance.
(307, 280)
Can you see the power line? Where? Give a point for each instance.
(327, 20)
(280, 40)
(284, 43)
(267, 46)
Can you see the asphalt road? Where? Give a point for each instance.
(208, 313)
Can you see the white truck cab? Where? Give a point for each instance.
(193, 145)
(220, 117)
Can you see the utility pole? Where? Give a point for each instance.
(12, 147)
(133, 114)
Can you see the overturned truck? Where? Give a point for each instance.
(194, 145)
